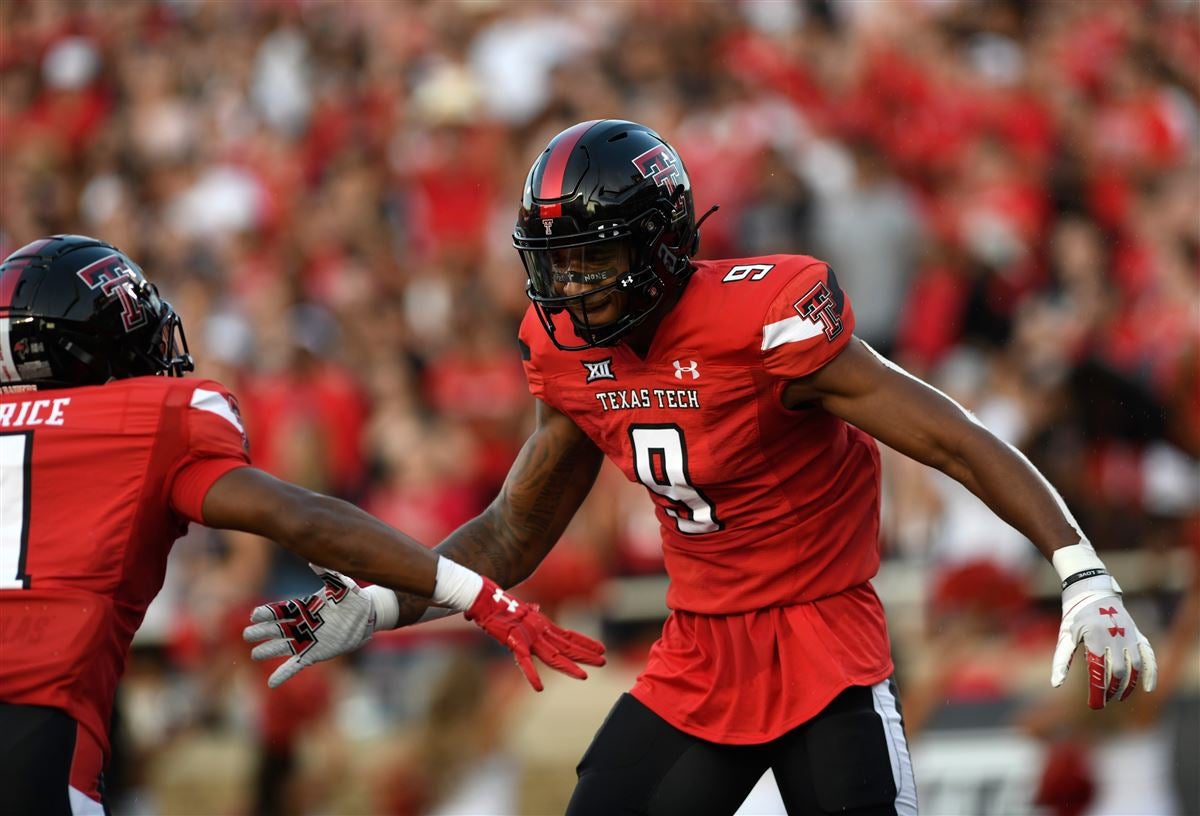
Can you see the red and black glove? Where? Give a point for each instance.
(526, 631)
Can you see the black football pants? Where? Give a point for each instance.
(851, 758)
(37, 746)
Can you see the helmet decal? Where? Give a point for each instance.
(13, 269)
(555, 168)
(77, 311)
(658, 163)
(112, 275)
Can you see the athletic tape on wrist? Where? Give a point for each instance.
(1076, 558)
(387, 608)
(457, 586)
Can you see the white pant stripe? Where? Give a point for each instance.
(902, 771)
(82, 804)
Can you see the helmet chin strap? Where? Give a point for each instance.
(704, 217)
(695, 247)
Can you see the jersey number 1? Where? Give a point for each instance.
(660, 460)
(15, 451)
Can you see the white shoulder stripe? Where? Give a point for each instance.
(790, 330)
(215, 402)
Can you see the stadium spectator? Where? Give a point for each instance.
(325, 209)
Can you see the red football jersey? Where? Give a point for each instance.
(96, 484)
(768, 516)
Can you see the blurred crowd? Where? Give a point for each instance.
(1009, 192)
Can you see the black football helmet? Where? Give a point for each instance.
(613, 189)
(77, 311)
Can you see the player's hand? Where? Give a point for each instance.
(338, 619)
(526, 631)
(1118, 656)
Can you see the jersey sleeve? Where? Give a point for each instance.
(807, 324)
(530, 337)
(216, 444)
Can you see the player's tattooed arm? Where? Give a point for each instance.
(921, 422)
(547, 483)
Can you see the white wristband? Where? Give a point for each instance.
(1078, 566)
(1076, 558)
(387, 608)
(457, 586)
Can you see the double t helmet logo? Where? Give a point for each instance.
(658, 163)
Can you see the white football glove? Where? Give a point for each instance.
(340, 618)
(1119, 657)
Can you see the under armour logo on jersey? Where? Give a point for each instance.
(499, 597)
(658, 163)
(1113, 630)
(548, 223)
(599, 369)
(681, 369)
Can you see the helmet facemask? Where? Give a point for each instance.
(603, 287)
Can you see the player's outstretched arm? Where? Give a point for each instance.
(919, 421)
(545, 486)
(320, 529)
(341, 617)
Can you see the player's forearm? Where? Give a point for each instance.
(485, 545)
(868, 391)
(496, 547)
(1015, 491)
(549, 480)
(340, 536)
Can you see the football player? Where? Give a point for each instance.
(102, 467)
(736, 392)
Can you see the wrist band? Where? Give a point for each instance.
(457, 586)
(1075, 558)
(1082, 575)
(387, 608)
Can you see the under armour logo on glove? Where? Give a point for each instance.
(500, 597)
(1119, 658)
(527, 632)
(1113, 630)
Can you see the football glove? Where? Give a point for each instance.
(342, 617)
(337, 619)
(526, 631)
(1119, 657)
